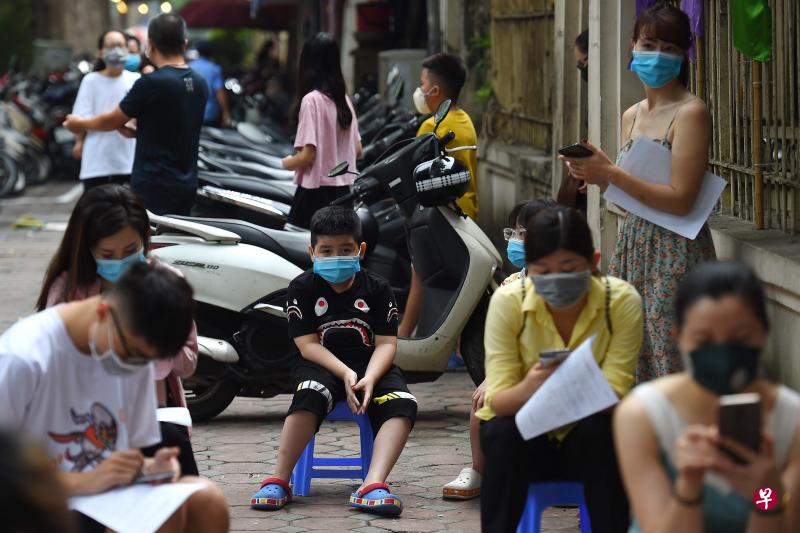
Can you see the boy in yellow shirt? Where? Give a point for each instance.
(442, 78)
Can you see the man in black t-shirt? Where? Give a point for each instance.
(343, 320)
(168, 106)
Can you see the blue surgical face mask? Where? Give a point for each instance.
(656, 69)
(516, 252)
(133, 62)
(337, 269)
(112, 269)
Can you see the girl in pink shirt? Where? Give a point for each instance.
(108, 231)
(327, 131)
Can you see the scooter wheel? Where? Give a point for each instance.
(207, 397)
(472, 349)
(8, 174)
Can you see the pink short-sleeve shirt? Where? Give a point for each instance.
(319, 127)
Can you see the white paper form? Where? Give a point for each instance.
(135, 509)
(650, 161)
(175, 415)
(574, 391)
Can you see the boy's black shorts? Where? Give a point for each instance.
(317, 390)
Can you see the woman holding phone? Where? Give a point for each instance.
(558, 305)
(677, 466)
(650, 257)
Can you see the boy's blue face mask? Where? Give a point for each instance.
(656, 69)
(112, 269)
(133, 62)
(337, 269)
(515, 250)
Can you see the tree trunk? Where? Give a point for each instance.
(77, 22)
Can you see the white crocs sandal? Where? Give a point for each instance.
(465, 487)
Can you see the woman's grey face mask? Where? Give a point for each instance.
(562, 290)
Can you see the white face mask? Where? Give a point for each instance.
(112, 363)
(115, 57)
(420, 103)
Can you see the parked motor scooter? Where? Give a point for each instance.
(240, 273)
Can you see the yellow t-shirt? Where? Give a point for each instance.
(458, 122)
(510, 355)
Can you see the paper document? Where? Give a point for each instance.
(135, 509)
(176, 415)
(652, 162)
(574, 391)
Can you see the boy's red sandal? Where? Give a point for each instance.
(273, 495)
(376, 498)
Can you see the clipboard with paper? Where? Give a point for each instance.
(650, 161)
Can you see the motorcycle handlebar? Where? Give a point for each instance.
(358, 190)
(448, 138)
(346, 198)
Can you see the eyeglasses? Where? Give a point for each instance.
(511, 233)
(132, 357)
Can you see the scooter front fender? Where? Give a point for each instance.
(430, 354)
(217, 349)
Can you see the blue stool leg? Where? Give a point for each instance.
(301, 477)
(586, 525)
(536, 510)
(531, 515)
(544, 495)
(366, 440)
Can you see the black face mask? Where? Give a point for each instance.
(584, 72)
(725, 368)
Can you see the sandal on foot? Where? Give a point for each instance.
(465, 487)
(376, 498)
(274, 494)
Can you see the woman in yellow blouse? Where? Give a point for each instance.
(561, 304)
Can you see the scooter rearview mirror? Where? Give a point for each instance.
(338, 170)
(441, 112)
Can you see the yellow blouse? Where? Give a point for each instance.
(512, 350)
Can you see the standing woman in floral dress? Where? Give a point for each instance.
(654, 259)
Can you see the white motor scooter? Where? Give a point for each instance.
(240, 273)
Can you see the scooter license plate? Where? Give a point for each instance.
(63, 135)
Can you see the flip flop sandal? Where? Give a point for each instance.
(274, 494)
(465, 487)
(376, 498)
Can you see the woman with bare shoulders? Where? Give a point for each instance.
(654, 259)
(681, 469)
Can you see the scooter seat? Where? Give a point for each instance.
(281, 191)
(234, 138)
(246, 154)
(254, 169)
(292, 246)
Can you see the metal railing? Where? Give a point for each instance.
(730, 93)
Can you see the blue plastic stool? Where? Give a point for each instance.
(544, 495)
(307, 466)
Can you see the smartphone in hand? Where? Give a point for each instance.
(154, 479)
(740, 420)
(553, 357)
(576, 150)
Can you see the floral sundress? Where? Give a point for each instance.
(655, 260)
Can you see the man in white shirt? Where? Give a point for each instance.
(78, 379)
